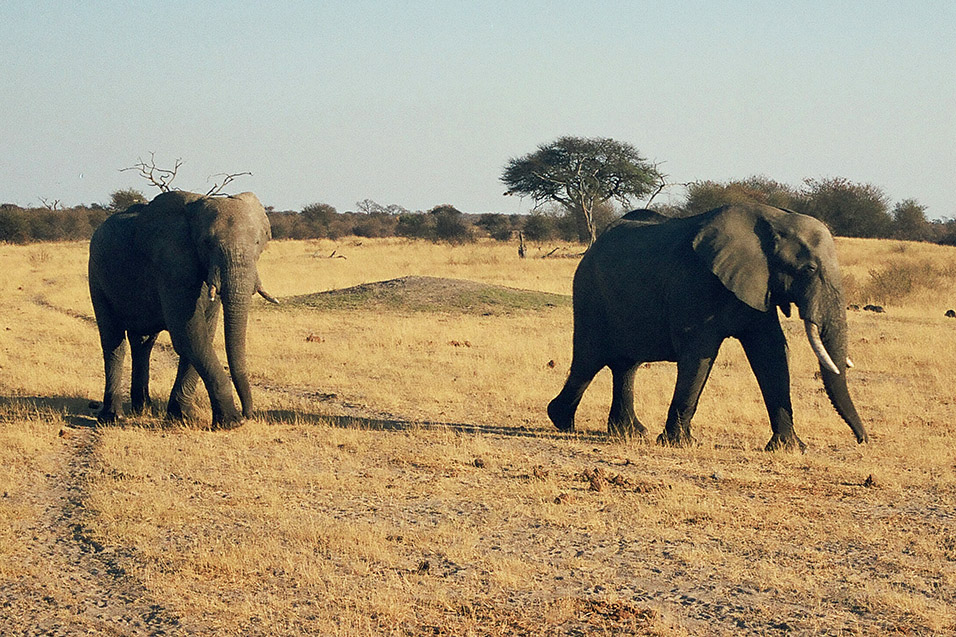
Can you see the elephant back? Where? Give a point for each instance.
(645, 216)
(173, 202)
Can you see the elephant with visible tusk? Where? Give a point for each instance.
(659, 289)
(169, 265)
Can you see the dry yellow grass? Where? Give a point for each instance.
(327, 515)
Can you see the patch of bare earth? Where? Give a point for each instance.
(432, 294)
(69, 583)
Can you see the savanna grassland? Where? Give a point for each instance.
(402, 478)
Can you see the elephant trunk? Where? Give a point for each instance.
(237, 294)
(828, 340)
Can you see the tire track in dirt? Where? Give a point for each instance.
(75, 584)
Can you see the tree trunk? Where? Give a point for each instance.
(584, 222)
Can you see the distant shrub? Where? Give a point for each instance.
(318, 213)
(315, 220)
(30, 225)
(943, 232)
(707, 195)
(282, 224)
(442, 223)
(374, 225)
(449, 225)
(413, 225)
(909, 221)
(14, 225)
(120, 200)
(498, 226)
(849, 209)
(540, 227)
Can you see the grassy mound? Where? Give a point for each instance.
(432, 294)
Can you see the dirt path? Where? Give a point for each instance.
(75, 585)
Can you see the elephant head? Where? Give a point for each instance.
(769, 257)
(229, 234)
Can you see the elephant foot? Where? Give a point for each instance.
(562, 418)
(630, 429)
(788, 442)
(109, 416)
(680, 440)
(174, 412)
(227, 424)
(139, 409)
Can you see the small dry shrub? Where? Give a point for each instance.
(894, 282)
(38, 257)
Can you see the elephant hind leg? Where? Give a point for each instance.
(113, 342)
(141, 346)
(561, 409)
(693, 370)
(622, 421)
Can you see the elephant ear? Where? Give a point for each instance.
(732, 244)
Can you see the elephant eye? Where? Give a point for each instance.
(808, 268)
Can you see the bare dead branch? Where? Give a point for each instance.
(50, 205)
(662, 185)
(227, 178)
(316, 255)
(159, 177)
(550, 253)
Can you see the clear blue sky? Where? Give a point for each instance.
(422, 103)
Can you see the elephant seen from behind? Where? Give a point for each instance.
(169, 265)
(658, 289)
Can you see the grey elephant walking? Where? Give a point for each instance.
(659, 289)
(169, 265)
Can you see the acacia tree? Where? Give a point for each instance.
(582, 173)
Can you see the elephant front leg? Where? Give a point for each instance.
(622, 421)
(766, 351)
(184, 390)
(225, 415)
(192, 336)
(141, 345)
(693, 369)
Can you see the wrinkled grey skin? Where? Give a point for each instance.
(169, 265)
(659, 289)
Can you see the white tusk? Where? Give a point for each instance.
(813, 334)
(849, 363)
(212, 292)
(268, 297)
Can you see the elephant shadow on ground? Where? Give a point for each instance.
(78, 412)
(287, 416)
(75, 411)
